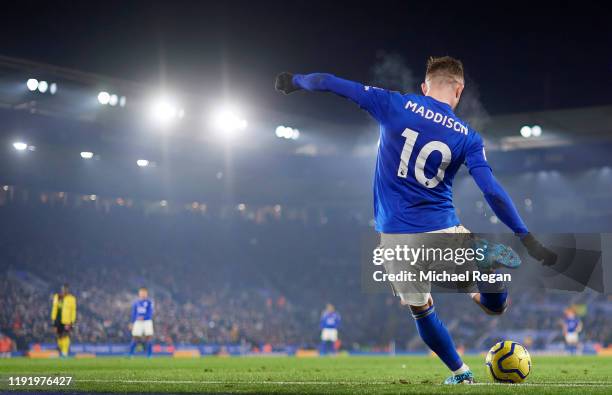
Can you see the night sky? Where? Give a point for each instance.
(522, 57)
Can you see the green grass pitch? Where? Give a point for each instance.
(341, 374)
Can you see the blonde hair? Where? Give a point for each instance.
(444, 67)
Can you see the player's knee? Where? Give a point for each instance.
(416, 309)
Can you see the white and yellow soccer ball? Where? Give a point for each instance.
(508, 362)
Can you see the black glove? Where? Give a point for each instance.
(284, 83)
(537, 251)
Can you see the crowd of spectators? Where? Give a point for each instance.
(231, 279)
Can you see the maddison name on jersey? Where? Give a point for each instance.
(442, 119)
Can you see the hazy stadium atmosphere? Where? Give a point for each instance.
(143, 148)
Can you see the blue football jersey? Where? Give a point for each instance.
(571, 324)
(422, 146)
(142, 309)
(330, 320)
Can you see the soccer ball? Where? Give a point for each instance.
(508, 362)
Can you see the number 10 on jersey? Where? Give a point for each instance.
(419, 166)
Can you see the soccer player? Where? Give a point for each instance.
(572, 326)
(422, 145)
(330, 322)
(141, 322)
(63, 318)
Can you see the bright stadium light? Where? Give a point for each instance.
(287, 132)
(43, 86)
(20, 145)
(536, 130)
(526, 131)
(87, 155)
(228, 121)
(32, 84)
(103, 98)
(164, 110)
(111, 99)
(53, 88)
(142, 163)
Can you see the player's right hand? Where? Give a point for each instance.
(284, 83)
(537, 251)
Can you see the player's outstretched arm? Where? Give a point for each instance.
(506, 211)
(323, 82)
(373, 100)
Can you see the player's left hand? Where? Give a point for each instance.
(284, 83)
(537, 251)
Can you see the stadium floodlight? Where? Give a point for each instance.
(87, 155)
(103, 98)
(53, 88)
(32, 84)
(526, 131)
(20, 145)
(122, 101)
(164, 110)
(287, 133)
(536, 130)
(43, 86)
(228, 121)
(280, 131)
(113, 100)
(142, 163)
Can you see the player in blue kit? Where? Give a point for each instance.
(572, 326)
(330, 322)
(141, 322)
(422, 145)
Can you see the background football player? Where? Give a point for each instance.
(572, 326)
(141, 322)
(330, 322)
(63, 318)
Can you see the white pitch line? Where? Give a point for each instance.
(234, 382)
(218, 382)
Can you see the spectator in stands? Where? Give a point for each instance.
(7, 346)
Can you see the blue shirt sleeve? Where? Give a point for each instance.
(150, 312)
(475, 155)
(498, 199)
(375, 101)
(133, 319)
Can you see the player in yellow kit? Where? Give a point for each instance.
(63, 317)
